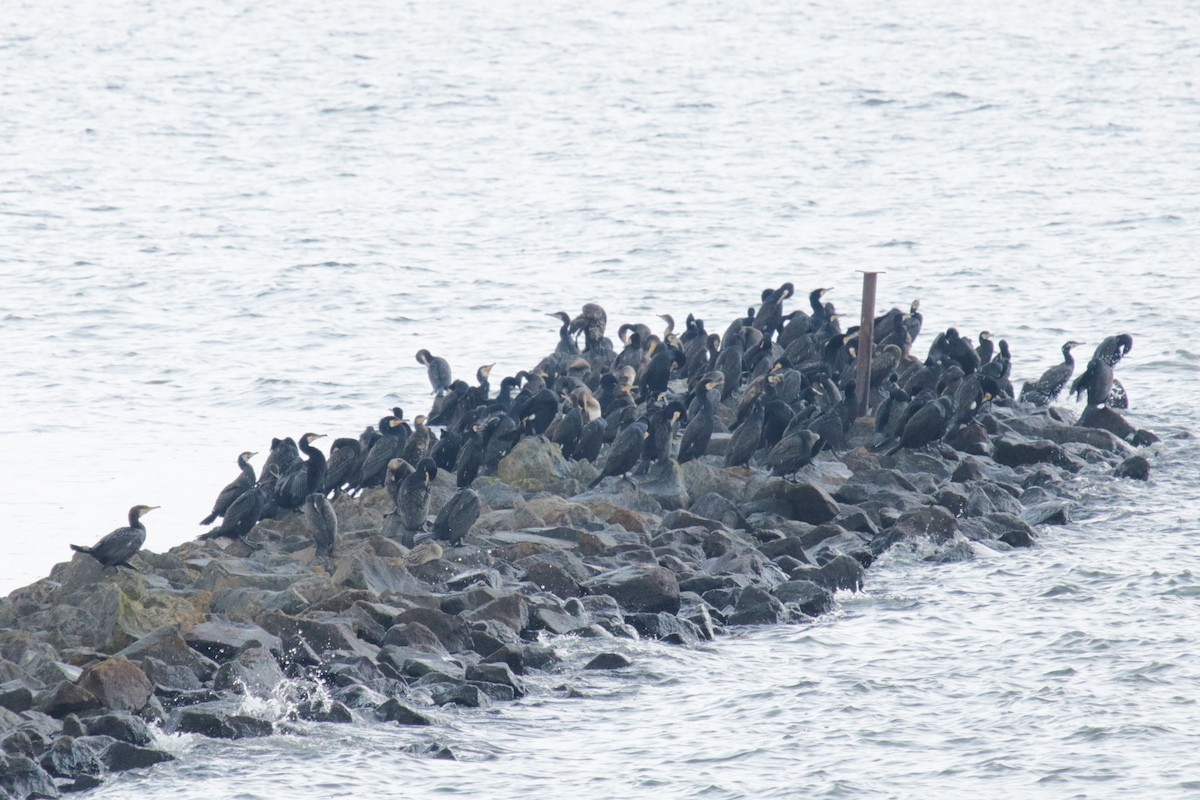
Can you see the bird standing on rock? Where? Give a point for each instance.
(318, 513)
(438, 369)
(624, 452)
(239, 485)
(1045, 389)
(116, 548)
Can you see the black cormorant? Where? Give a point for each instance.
(412, 501)
(793, 452)
(1096, 382)
(1045, 389)
(397, 470)
(624, 452)
(318, 513)
(394, 434)
(455, 519)
(986, 348)
(242, 483)
(590, 440)
(116, 548)
(698, 432)
(568, 431)
(420, 442)
(343, 465)
(304, 478)
(566, 343)
(747, 437)
(438, 369)
(244, 512)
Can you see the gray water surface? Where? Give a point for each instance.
(224, 222)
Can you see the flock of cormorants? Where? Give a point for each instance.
(782, 383)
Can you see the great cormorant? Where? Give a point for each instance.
(242, 483)
(438, 370)
(1045, 389)
(116, 548)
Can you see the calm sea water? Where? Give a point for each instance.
(225, 222)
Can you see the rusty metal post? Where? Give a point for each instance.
(866, 343)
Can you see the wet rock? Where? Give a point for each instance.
(253, 671)
(121, 756)
(967, 470)
(523, 657)
(395, 711)
(221, 641)
(842, 572)
(553, 576)
(1144, 438)
(702, 479)
(934, 522)
(788, 545)
(66, 698)
(533, 465)
(642, 587)
(1134, 467)
(66, 758)
(315, 711)
(855, 519)
(465, 695)
(810, 598)
(323, 635)
(118, 684)
(608, 661)
(216, 721)
(1108, 420)
(952, 499)
(665, 627)
(122, 726)
(1054, 512)
(756, 606)
(1016, 451)
(496, 673)
(20, 777)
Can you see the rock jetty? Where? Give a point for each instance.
(97, 663)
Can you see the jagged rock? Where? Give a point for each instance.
(496, 673)
(952, 499)
(15, 696)
(788, 545)
(701, 478)
(21, 777)
(122, 726)
(221, 640)
(666, 627)
(253, 671)
(450, 631)
(805, 502)
(395, 711)
(118, 684)
(66, 698)
(168, 646)
(377, 575)
(1135, 467)
(510, 609)
(552, 577)
(664, 482)
(215, 721)
(608, 661)
(66, 758)
(810, 598)
(322, 635)
(533, 465)
(641, 587)
(967, 470)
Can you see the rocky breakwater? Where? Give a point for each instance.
(97, 664)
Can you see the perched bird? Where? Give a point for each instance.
(343, 464)
(698, 432)
(243, 513)
(455, 519)
(242, 483)
(1045, 389)
(306, 477)
(412, 500)
(438, 369)
(116, 548)
(1096, 382)
(318, 513)
(793, 453)
(624, 452)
